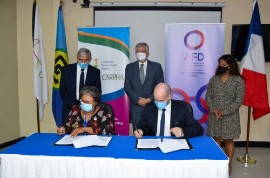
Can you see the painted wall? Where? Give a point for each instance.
(234, 12)
(9, 107)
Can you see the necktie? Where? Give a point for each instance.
(142, 73)
(162, 123)
(81, 80)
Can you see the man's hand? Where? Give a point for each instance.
(177, 131)
(144, 101)
(61, 130)
(138, 133)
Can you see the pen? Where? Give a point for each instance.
(137, 130)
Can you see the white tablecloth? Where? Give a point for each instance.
(23, 166)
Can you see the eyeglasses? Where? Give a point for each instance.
(85, 60)
(87, 102)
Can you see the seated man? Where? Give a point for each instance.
(167, 117)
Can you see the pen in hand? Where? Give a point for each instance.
(137, 133)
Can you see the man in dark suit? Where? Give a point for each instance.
(167, 117)
(141, 77)
(75, 76)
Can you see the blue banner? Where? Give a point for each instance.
(61, 59)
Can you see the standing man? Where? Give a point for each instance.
(141, 77)
(74, 77)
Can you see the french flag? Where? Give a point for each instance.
(252, 68)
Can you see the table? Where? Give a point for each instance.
(37, 157)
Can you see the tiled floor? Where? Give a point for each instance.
(261, 169)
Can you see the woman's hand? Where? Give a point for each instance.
(80, 130)
(61, 130)
(218, 113)
(77, 131)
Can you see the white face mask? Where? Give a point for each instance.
(141, 56)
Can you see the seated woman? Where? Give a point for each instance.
(88, 117)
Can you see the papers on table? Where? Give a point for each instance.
(148, 143)
(67, 140)
(169, 145)
(166, 145)
(84, 141)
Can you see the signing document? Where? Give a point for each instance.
(148, 143)
(166, 145)
(169, 145)
(84, 141)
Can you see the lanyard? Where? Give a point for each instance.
(84, 121)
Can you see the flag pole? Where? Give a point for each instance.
(37, 102)
(38, 121)
(246, 158)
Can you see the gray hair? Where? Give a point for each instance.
(91, 91)
(143, 44)
(85, 53)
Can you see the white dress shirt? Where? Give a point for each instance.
(79, 71)
(167, 120)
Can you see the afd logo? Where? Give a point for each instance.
(194, 35)
(194, 40)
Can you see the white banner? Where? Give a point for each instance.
(192, 52)
(39, 70)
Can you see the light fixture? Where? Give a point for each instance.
(85, 4)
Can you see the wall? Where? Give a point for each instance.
(235, 11)
(9, 108)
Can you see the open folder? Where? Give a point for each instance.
(84, 141)
(166, 145)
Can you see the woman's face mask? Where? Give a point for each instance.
(86, 107)
(222, 70)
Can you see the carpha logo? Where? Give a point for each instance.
(191, 38)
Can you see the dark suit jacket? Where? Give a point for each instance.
(68, 84)
(133, 86)
(181, 116)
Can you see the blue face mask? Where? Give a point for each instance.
(86, 107)
(83, 65)
(161, 105)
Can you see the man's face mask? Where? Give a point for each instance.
(141, 56)
(161, 105)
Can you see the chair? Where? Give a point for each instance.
(186, 104)
(110, 109)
